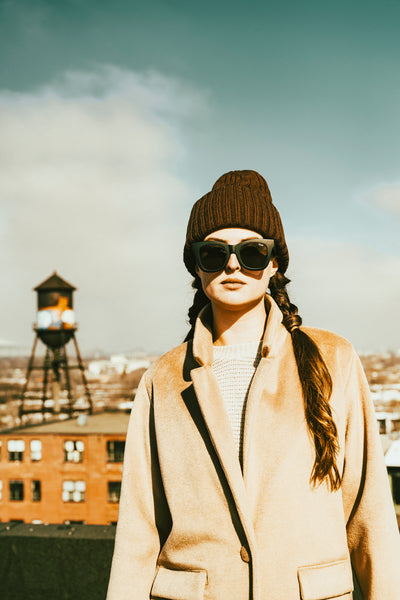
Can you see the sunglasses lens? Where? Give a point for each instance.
(212, 257)
(254, 256)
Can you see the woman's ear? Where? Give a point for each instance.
(273, 266)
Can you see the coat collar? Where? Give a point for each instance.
(274, 335)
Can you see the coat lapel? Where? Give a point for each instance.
(220, 432)
(213, 410)
(275, 337)
(216, 418)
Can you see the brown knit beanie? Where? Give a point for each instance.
(237, 199)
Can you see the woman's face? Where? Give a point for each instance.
(236, 288)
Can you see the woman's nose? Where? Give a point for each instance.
(232, 264)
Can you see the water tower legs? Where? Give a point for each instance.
(30, 367)
(82, 370)
(46, 368)
(55, 363)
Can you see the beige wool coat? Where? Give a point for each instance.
(193, 525)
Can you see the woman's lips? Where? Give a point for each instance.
(232, 283)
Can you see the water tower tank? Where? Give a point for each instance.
(55, 322)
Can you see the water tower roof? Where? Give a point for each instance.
(54, 282)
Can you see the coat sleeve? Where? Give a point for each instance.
(137, 542)
(372, 532)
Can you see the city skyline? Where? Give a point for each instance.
(114, 120)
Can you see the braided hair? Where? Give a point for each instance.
(316, 384)
(199, 301)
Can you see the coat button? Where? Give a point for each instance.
(244, 555)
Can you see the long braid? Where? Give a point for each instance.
(199, 300)
(316, 384)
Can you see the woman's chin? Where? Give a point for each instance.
(235, 302)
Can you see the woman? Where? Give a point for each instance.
(253, 467)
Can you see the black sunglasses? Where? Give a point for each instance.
(213, 256)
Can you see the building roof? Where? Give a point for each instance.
(54, 282)
(391, 416)
(69, 531)
(110, 423)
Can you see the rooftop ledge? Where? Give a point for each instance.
(55, 561)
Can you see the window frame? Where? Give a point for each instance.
(34, 453)
(110, 493)
(115, 456)
(15, 482)
(71, 492)
(34, 490)
(75, 451)
(20, 453)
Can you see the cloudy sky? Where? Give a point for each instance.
(115, 117)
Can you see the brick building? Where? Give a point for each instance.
(63, 471)
(70, 470)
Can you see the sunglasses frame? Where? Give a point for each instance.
(232, 249)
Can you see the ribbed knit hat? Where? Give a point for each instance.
(237, 199)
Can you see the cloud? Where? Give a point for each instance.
(386, 198)
(89, 186)
(352, 289)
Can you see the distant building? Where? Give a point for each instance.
(388, 422)
(63, 471)
(10, 349)
(118, 364)
(392, 460)
(70, 470)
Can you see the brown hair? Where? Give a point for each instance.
(315, 379)
(316, 384)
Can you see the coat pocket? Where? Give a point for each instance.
(178, 585)
(327, 581)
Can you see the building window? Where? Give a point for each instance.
(74, 522)
(74, 491)
(16, 491)
(115, 451)
(382, 426)
(394, 473)
(73, 451)
(36, 450)
(15, 450)
(16, 521)
(395, 425)
(36, 491)
(114, 491)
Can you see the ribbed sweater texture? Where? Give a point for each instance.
(234, 367)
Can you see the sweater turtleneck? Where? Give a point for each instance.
(234, 366)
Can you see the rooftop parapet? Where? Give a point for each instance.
(55, 561)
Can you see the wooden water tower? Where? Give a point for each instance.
(55, 326)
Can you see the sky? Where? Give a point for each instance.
(116, 117)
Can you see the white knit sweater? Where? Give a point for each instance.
(234, 367)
